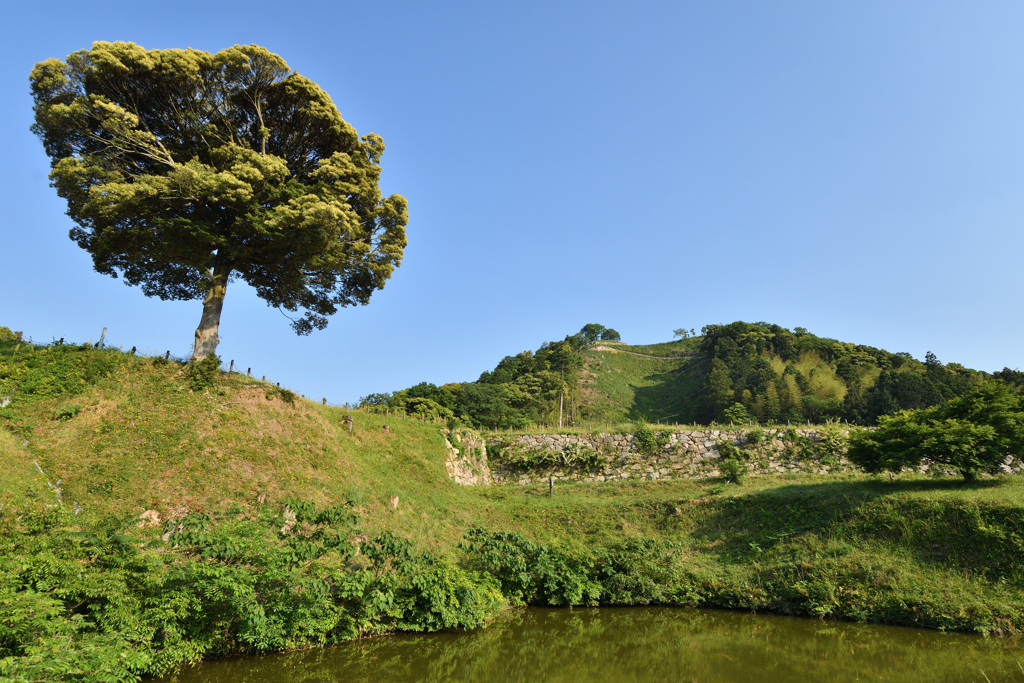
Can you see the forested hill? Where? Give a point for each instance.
(739, 373)
(768, 373)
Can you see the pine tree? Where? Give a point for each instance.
(720, 394)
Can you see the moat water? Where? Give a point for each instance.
(640, 644)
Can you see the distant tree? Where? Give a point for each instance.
(427, 408)
(737, 414)
(771, 404)
(682, 333)
(610, 335)
(374, 400)
(562, 356)
(1014, 378)
(720, 392)
(592, 332)
(185, 170)
(490, 405)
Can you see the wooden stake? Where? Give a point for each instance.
(231, 368)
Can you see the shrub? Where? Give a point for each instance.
(577, 454)
(733, 461)
(831, 444)
(646, 440)
(972, 434)
(66, 412)
(201, 374)
(738, 414)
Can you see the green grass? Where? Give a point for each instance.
(124, 434)
(621, 386)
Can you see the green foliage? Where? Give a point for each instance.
(732, 461)
(972, 434)
(59, 370)
(646, 440)
(184, 169)
(719, 389)
(577, 454)
(592, 332)
(203, 373)
(66, 412)
(533, 574)
(91, 606)
(6, 335)
(286, 395)
(831, 444)
(737, 414)
(573, 455)
(781, 375)
(427, 408)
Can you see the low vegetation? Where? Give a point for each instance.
(146, 523)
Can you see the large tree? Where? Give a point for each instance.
(972, 434)
(184, 170)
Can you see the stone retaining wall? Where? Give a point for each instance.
(467, 459)
(615, 457)
(687, 454)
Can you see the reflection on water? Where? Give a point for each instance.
(641, 644)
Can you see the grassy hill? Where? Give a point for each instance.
(279, 529)
(762, 373)
(738, 373)
(659, 382)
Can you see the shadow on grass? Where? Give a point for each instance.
(951, 530)
(667, 397)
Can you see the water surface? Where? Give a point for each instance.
(641, 645)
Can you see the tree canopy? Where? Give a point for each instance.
(971, 434)
(184, 170)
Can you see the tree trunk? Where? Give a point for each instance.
(206, 333)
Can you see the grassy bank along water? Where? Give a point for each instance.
(274, 527)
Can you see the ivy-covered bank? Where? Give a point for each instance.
(153, 515)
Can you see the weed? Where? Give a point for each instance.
(202, 374)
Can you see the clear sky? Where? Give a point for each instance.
(855, 168)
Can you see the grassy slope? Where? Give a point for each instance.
(908, 551)
(661, 381)
(625, 382)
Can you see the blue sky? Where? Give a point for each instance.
(852, 168)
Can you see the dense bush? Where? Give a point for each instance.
(972, 434)
(91, 605)
(202, 374)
